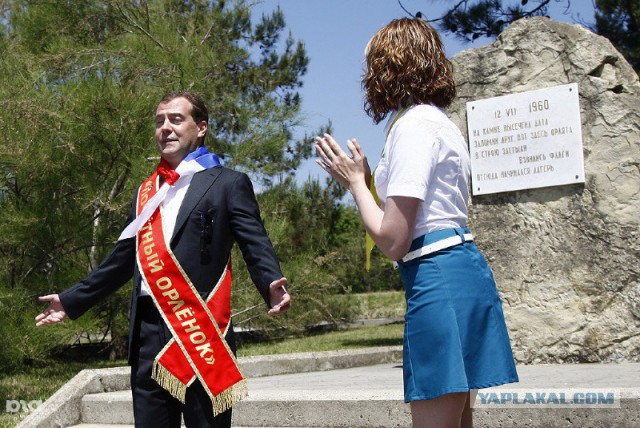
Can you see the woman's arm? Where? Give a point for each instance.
(390, 229)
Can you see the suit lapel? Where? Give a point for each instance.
(199, 186)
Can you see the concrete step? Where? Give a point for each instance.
(356, 397)
(363, 389)
(372, 396)
(102, 426)
(133, 426)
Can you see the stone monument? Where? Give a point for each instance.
(566, 258)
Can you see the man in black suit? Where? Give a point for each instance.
(202, 209)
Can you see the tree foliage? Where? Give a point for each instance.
(80, 82)
(320, 242)
(619, 21)
(471, 19)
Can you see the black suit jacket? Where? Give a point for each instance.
(219, 208)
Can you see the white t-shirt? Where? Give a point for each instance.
(426, 157)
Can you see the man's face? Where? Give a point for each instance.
(177, 133)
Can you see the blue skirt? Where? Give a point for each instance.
(455, 336)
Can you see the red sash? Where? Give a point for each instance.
(197, 349)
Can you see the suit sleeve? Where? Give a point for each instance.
(114, 271)
(250, 234)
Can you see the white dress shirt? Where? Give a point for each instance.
(169, 209)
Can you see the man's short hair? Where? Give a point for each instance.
(199, 110)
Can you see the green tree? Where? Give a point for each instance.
(80, 82)
(320, 241)
(468, 20)
(471, 19)
(619, 21)
(300, 221)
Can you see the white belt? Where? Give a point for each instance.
(437, 246)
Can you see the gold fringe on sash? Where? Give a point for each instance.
(221, 402)
(169, 382)
(229, 397)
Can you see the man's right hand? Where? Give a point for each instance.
(54, 312)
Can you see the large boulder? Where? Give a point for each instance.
(566, 258)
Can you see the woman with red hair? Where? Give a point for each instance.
(455, 338)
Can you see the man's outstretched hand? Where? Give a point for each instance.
(54, 312)
(279, 297)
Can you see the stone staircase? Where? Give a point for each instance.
(363, 388)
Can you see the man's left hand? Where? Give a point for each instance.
(279, 297)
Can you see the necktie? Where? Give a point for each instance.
(165, 171)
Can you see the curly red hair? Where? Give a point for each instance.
(406, 65)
